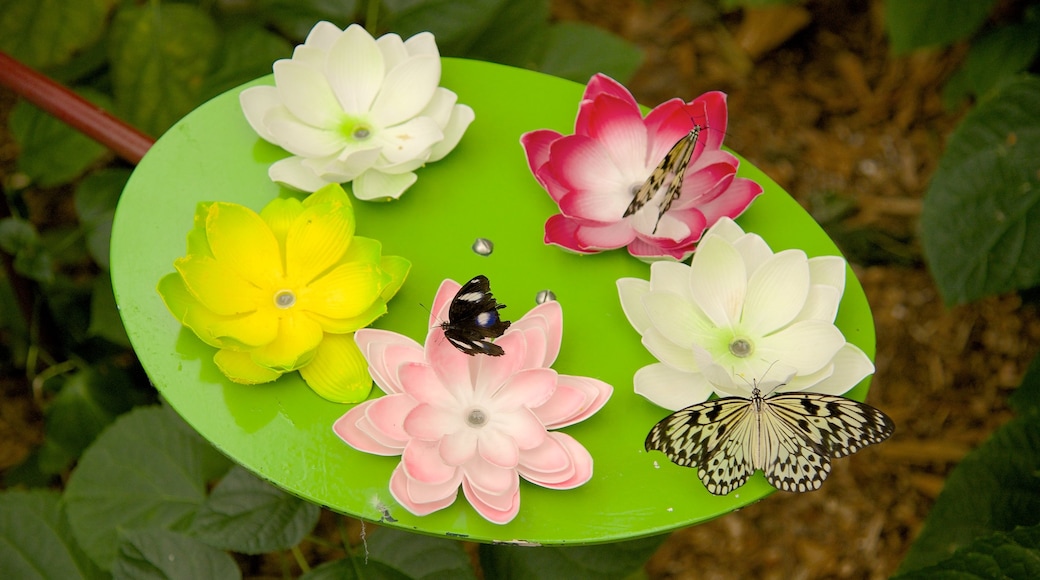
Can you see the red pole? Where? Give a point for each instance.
(73, 110)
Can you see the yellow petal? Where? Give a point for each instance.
(209, 327)
(363, 249)
(332, 193)
(221, 290)
(338, 371)
(242, 242)
(239, 368)
(317, 240)
(345, 292)
(198, 245)
(398, 268)
(279, 214)
(298, 337)
(345, 325)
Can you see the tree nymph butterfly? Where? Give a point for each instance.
(668, 175)
(792, 437)
(473, 320)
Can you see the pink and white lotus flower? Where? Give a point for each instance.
(478, 422)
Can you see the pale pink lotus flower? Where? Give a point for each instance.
(593, 174)
(739, 317)
(478, 422)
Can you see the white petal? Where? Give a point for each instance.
(821, 304)
(301, 138)
(393, 49)
(674, 277)
(293, 173)
(441, 106)
(422, 44)
(461, 117)
(355, 70)
(754, 249)
(678, 356)
(718, 281)
(776, 292)
(807, 345)
(346, 166)
(669, 388)
(678, 320)
(851, 365)
(256, 102)
(829, 270)
(407, 90)
(725, 228)
(374, 184)
(409, 140)
(307, 95)
(310, 57)
(631, 292)
(322, 35)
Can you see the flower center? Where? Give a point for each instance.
(476, 417)
(362, 133)
(284, 299)
(740, 348)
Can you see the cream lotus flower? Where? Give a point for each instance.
(352, 108)
(741, 315)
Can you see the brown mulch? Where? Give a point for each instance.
(853, 132)
(818, 102)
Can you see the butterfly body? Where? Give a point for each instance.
(473, 319)
(668, 175)
(791, 437)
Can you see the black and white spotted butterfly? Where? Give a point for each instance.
(668, 175)
(792, 437)
(473, 320)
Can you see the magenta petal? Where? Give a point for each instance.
(618, 127)
(355, 429)
(485, 504)
(579, 458)
(422, 461)
(562, 231)
(605, 237)
(644, 249)
(536, 148)
(737, 197)
(716, 111)
(497, 448)
(600, 85)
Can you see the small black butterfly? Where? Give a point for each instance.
(473, 320)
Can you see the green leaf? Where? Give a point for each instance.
(295, 18)
(43, 33)
(734, 4)
(1015, 556)
(355, 569)
(456, 23)
(147, 470)
(994, 56)
(95, 200)
(160, 56)
(246, 52)
(1026, 398)
(165, 555)
(87, 403)
(53, 153)
(916, 23)
(35, 541)
(576, 51)
(515, 35)
(980, 223)
(247, 515)
(104, 313)
(994, 488)
(31, 259)
(419, 556)
(598, 562)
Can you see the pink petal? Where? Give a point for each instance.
(716, 113)
(536, 148)
(421, 381)
(441, 301)
(618, 126)
(431, 423)
(549, 462)
(733, 202)
(459, 447)
(580, 461)
(385, 351)
(354, 429)
(497, 448)
(605, 237)
(485, 504)
(666, 125)
(575, 399)
(422, 461)
(522, 426)
(599, 190)
(600, 85)
(562, 231)
(645, 249)
(493, 482)
(418, 498)
(543, 330)
(527, 388)
(494, 372)
(386, 415)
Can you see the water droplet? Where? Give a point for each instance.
(740, 347)
(284, 299)
(477, 417)
(545, 296)
(483, 246)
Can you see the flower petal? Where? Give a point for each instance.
(355, 70)
(718, 281)
(338, 372)
(294, 173)
(669, 388)
(487, 505)
(376, 185)
(461, 118)
(239, 368)
(576, 473)
(406, 90)
(776, 292)
(423, 463)
(356, 430)
(806, 345)
(421, 499)
(575, 399)
(497, 448)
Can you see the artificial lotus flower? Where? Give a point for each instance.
(740, 316)
(594, 174)
(478, 422)
(283, 290)
(352, 108)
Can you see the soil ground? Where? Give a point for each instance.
(818, 102)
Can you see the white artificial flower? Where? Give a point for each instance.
(740, 315)
(352, 108)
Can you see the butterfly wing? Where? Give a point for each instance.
(715, 436)
(473, 319)
(668, 174)
(809, 429)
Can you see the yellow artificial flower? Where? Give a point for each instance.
(284, 290)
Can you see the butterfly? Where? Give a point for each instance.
(473, 320)
(792, 437)
(668, 174)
